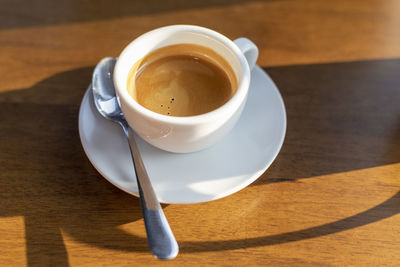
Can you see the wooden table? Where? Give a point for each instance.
(330, 198)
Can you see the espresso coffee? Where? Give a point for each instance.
(182, 80)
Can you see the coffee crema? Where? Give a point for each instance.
(182, 80)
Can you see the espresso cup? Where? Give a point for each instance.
(188, 133)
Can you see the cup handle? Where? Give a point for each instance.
(249, 50)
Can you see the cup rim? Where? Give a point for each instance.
(227, 108)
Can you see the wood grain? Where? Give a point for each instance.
(331, 198)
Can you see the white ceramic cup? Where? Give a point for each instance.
(192, 133)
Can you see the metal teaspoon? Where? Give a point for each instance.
(160, 238)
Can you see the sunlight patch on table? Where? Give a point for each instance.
(13, 242)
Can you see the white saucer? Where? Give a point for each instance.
(227, 167)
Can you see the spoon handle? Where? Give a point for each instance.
(159, 234)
